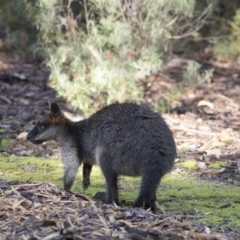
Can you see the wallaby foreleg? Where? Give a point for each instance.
(86, 175)
(70, 172)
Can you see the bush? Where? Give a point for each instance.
(230, 45)
(102, 51)
(20, 32)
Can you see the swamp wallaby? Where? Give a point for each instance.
(122, 138)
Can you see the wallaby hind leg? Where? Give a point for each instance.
(111, 188)
(147, 194)
(86, 175)
(111, 194)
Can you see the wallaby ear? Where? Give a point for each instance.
(55, 110)
(56, 113)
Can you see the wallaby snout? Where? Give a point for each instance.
(30, 137)
(33, 136)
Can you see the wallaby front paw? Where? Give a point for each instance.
(85, 183)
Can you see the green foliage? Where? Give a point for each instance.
(229, 46)
(101, 52)
(21, 34)
(121, 47)
(192, 74)
(235, 33)
(4, 143)
(188, 163)
(169, 98)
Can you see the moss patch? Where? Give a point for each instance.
(188, 163)
(45, 169)
(227, 139)
(218, 164)
(5, 143)
(209, 202)
(24, 168)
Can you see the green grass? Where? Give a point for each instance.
(5, 143)
(217, 164)
(210, 202)
(213, 203)
(188, 163)
(24, 168)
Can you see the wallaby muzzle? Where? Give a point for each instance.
(33, 136)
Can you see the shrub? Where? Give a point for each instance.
(228, 44)
(20, 32)
(101, 51)
(192, 74)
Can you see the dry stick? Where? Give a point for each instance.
(102, 220)
(95, 53)
(8, 101)
(115, 205)
(6, 223)
(29, 180)
(26, 185)
(231, 101)
(86, 14)
(192, 130)
(51, 236)
(206, 12)
(204, 146)
(16, 192)
(136, 236)
(69, 221)
(20, 91)
(100, 217)
(78, 195)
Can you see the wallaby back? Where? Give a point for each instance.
(122, 138)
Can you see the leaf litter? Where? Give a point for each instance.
(44, 211)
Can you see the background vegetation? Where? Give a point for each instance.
(102, 51)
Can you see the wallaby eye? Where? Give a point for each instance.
(41, 127)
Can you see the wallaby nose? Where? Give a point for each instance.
(28, 137)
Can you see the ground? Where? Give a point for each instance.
(198, 200)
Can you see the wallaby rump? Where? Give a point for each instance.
(122, 138)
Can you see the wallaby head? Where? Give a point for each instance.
(47, 127)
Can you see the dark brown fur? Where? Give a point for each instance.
(123, 139)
